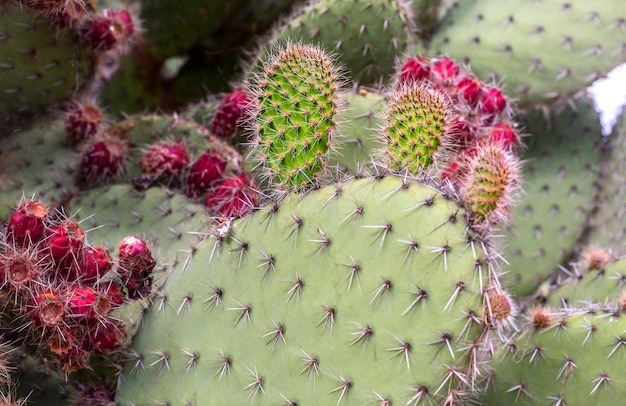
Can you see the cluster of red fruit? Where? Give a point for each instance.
(482, 166)
(63, 290)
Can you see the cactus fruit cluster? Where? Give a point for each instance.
(337, 202)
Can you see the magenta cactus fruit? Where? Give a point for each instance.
(135, 262)
(493, 102)
(103, 157)
(86, 303)
(165, 159)
(27, 223)
(65, 243)
(108, 29)
(416, 68)
(19, 269)
(94, 263)
(104, 337)
(205, 173)
(503, 134)
(470, 89)
(230, 113)
(83, 121)
(444, 70)
(234, 197)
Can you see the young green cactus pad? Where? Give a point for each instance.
(561, 176)
(562, 359)
(545, 50)
(42, 63)
(290, 304)
(418, 129)
(367, 35)
(294, 115)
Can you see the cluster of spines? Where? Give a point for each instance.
(61, 290)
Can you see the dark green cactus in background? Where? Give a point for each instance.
(322, 202)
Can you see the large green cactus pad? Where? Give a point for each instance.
(542, 49)
(356, 293)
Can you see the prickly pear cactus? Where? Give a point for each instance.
(311, 314)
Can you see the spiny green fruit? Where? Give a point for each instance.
(544, 50)
(490, 183)
(561, 177)
(372, 290)
(367, 35)
(359, 123)
(42, 63)
(417, 130)
(561, 358)
(294, 110)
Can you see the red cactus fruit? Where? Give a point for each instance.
(414, 69)
(94, 263)
(135, 265)
(114, 292)
(504, 135)
(86, 303)
(230, 112)
(493, 102)
(107, 29)
(18, 269)
(105, 337)
(234, 197)
(444, 70)
(470, 89)
(50, 308)
(103, 157)
(204, 173)
(27, 223)
(62, 340)
(164, 159)
(82, 122)
(65, 242)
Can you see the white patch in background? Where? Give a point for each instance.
(609, 95)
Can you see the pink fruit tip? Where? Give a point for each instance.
(234, 197)
(493, 102)
(444, 70)
(107, 29)
(85, 302)
(504, 135)
(82, 122)
(470, 89)
(102, 158)
(204, 173)
(27, 223)
(415, 69)
(94, 263)
(230, 112)
(164, 159)
(65, 242)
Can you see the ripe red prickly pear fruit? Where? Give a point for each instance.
(65, 242)
(94, 263)
(504, 135)
(85, 302)
(164, 159)
(234, 197)
(82, 122)
(105, 336)
(103, 157)
(204, 173)
(107, 29)
(49, 308)
(414, 69)
(444, 70)
(230, 112)
(493, 102)
(470, 89)
(18, 270)
(135, 264)
(27, 223)
(114, 292)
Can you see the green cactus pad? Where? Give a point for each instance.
(41, 64)
(577, 360)
(542, 49)
(356, 293)
(297, 100)
(560, 177)
(608, 227)
(359, 124)
(367, 35)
